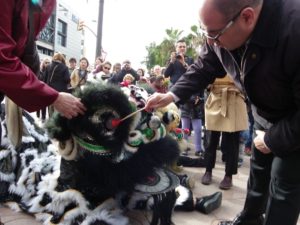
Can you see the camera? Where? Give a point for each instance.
(126, 66)
(178, 56)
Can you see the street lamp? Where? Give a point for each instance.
(99, 30)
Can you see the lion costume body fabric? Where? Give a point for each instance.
(99, 171)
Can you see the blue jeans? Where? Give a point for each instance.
(197, 127)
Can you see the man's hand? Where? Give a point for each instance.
(180, 58)
(173, 57)
(158, 100)
(259, 142)
(68, 105)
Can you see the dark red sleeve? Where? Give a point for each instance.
(17, 81)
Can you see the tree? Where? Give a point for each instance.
(160, 54)
(194, 41)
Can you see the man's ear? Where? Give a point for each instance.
(248, 16)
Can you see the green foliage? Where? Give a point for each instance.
(160, 53)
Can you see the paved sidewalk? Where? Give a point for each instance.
(232, 203)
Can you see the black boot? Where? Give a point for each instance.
(208, 203)
(186, 181)
(241, 219)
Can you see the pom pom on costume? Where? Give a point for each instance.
(170, 116)
(101, 171)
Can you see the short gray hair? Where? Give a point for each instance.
(230, 7)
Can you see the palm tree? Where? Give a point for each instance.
(173, 35)
(194, 41)
(160, 54)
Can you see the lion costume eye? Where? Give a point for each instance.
(104, 117)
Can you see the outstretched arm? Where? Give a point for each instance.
(158, 100)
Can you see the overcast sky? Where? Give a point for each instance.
(131, 25)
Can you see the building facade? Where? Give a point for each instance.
(61, 34)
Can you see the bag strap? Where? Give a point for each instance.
(81, 79)
(14, 122)
(52, 74)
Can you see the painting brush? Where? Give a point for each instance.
(116, 122)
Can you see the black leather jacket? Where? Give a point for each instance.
(57, 76)
(269, 72)
(176, 69)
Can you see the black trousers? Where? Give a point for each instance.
(231, 147)
(273, 188)
(190, 162)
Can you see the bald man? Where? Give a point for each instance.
(257, 43)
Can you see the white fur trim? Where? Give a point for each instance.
(7, 177)
(69, 152)
(32, 131)
(184, 194)
(108, 211)
(27, 139)
(4, 153)
(61, 199)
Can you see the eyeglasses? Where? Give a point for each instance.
(216, 37)
(107, 68)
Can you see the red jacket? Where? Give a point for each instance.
(17, 81)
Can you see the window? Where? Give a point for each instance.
(45, 51)
(62, 33)
(63, 9)
(47, 33)
(75, 18)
